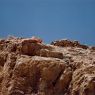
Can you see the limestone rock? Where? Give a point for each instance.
(30, 67)
(68, 43)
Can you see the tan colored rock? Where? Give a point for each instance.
(30, 67)
(83, 81)
(30, 75)
(68, 43)
(48, 53)
(93, 47)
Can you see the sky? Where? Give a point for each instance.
(49, 19)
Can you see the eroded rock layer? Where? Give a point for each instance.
(30, 67)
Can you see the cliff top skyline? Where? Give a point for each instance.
(49, 19)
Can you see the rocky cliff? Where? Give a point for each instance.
(29, 67)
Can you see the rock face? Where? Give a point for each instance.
(30, 67)
(68, 43)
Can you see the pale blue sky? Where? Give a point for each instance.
(49, 19)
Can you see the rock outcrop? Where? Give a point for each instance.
(68, 43)
(30, 67)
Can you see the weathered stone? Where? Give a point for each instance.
(29, 67)
(48, 53)
(68, 43)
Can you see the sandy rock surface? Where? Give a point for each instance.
(30, 67)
